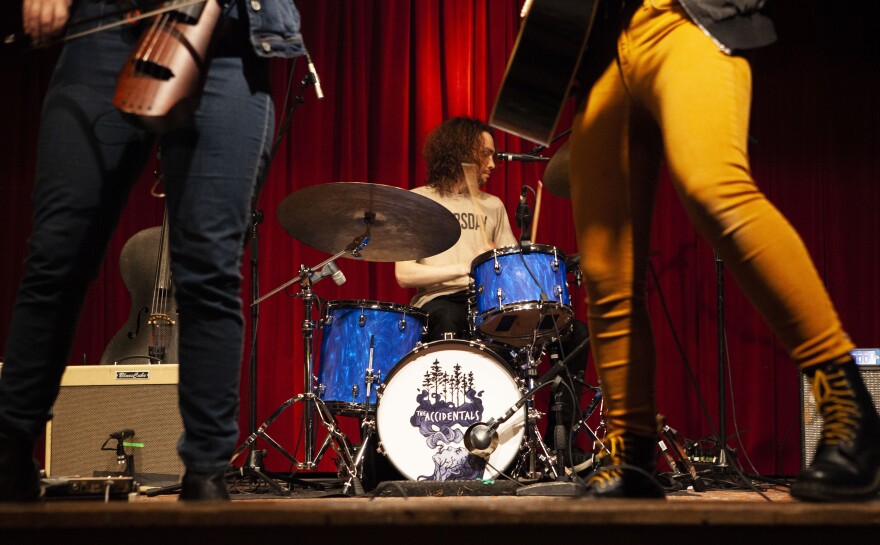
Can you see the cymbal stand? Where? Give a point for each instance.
(335, 438)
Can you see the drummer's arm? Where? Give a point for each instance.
(410, 274)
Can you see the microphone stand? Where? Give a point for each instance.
(253, 464)
(721, 464)
(252, 467)
(540, 147)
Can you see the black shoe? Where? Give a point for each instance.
(628, 471)
(19, 472)
(846, 466)
(204, 487)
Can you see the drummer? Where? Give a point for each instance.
(442, 280)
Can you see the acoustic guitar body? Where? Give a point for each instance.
(542, 68)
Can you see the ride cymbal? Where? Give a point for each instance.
(403, 225)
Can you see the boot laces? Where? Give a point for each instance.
(837, 404)
(613, 458)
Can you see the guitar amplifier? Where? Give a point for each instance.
(96, 401)
(869, 368)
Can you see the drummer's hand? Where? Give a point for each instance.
(44, 19)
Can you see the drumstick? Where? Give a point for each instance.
(537, 211)
(470, 178)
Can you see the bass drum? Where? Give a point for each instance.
(430, 399)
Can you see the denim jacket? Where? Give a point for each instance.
(732, 24)
(275, 28)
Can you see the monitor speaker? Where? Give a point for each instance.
(812, 420)
(97, 401)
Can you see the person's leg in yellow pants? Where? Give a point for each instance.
(673, 95)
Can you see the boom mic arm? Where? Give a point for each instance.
(481, 439)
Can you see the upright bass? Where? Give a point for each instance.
(150, 335)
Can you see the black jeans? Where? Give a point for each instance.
(88, 159)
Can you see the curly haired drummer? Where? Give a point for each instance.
(442, 281)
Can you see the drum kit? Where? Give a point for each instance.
(417, 401)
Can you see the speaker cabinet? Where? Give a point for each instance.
(812, 420)
(96, 401)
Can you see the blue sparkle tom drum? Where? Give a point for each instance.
(520, 292)
(350, 330)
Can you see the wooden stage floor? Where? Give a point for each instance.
(719, 517)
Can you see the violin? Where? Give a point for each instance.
(161, 82)
(151, 331)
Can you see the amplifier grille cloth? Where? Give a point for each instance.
(85, 416)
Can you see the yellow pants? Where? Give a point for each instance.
(671, 93)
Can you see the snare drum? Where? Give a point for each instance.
(349, 329)
(430, 399)
(519, 292)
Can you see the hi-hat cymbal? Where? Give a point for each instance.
(403, 225)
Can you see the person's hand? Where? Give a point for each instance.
(44, 19)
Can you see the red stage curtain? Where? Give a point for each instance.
(393, 69)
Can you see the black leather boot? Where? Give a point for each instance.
(19, 472)
(204, 487)
(846, 466)
(628, 470)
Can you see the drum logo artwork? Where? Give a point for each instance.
(448, 404)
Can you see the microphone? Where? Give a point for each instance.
(334, 272)
(523, 157)
(316, 80)
(331, 270)
(481, 439)
(120, 436)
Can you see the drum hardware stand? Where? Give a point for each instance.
(533, 441)
(335, 438)
(481, 438)
(562, 485)
(368, 428)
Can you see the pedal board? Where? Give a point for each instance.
(89, 487)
